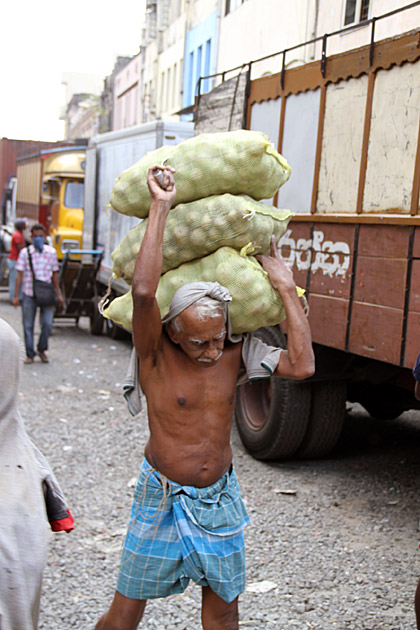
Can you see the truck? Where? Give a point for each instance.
(107, 155)
(349, 126)
(10, 149)
(50, 184)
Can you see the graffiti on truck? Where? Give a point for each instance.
(332, 258)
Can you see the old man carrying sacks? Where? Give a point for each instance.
(188, 517)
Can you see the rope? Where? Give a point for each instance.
(104, 300)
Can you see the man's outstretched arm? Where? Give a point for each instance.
(298, 360)
(147, 327)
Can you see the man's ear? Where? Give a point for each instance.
(172, 333)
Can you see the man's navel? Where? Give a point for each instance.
(182, 401)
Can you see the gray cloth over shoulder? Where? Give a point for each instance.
(259, 359)
(26, 479)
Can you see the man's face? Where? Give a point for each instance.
(202, 341)
(37, 233)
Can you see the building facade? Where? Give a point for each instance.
(184, 40)
(332, 17)
(106, 102)
(82, 116)
(200, 49)
(81, 112)
(127, 95)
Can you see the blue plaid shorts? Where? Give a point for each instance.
(182, 534)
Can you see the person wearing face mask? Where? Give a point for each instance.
(45, 267)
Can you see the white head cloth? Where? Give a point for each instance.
(190, 293)
(24, 529)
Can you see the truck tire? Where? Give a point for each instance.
(272, 414)
(326, 419)
(96, 320)
(114, 331)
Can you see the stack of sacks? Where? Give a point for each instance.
(215, 224)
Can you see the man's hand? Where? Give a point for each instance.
(280, 274)
(60, 306)
(158, 194)
(15, 301)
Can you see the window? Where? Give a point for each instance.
(168, 90)
(73, 197)
(190, 78)
(162, 91)
(231, 5)
(356, 11)
(205, 87)
(364, 10)
(174, 92)
(198, 67)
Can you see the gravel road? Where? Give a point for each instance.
(333, 544)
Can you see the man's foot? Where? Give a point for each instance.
(28, 360)
(43, 357)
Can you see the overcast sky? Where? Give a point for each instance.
(42, 39)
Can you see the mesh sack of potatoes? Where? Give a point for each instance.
(254, 301)
(238, 162)
(198, 228)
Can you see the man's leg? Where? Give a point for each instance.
(12, 277)
(28, 317)
(123, 614)
(216, 614)
(47, 315)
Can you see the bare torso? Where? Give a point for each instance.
(190, 410)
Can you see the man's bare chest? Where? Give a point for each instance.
(177, 384)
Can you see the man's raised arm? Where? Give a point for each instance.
(147, 327)
(298, 360)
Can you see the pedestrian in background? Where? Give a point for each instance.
(416, 374)
(30, 497)
(18, 243)
(42, 259)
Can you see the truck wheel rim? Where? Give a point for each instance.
(256, 402)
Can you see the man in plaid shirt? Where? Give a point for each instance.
(45, 266)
